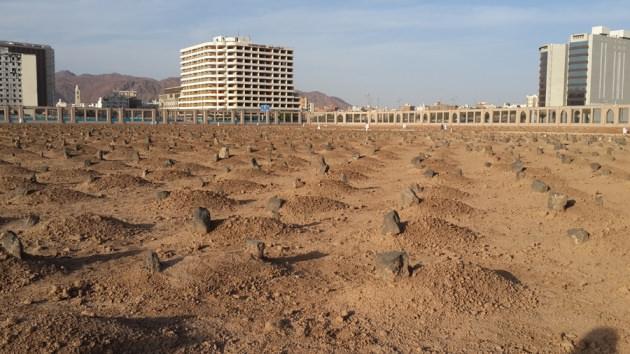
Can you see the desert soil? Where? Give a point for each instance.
(491, 268)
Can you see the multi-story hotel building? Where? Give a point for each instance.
(232, 73)
(27, 74)
(591, 69)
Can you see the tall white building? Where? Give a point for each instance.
(553, 75)
(532, 101)
(232, 73)
(18, 79)
(27, 74)
(591, 69)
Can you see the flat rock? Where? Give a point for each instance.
(392, 265)
(408, 197)
(201, 220)
(595, 166)
(298, 183)
(417, 161)
(518, 166)
(255, 249)
(557, 201)
(152, 262)
(540, 186)
(274, 204)
(161, 195)
(578, 235)
(429, 173)
(224, 153)
(391, 224)
(323, 166)
(11, 244)
(31, 220)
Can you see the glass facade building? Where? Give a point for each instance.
(590, 69)
(577, 73)
(542, 82)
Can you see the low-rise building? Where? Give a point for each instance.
(169, 98)
(407, 107)
(532, 101)
(306, 105)
(122, 99)
(439, 106)
(484, 105)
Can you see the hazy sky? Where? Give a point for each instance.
(383, 51)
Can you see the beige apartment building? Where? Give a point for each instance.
(169, 99)
(552, 75)
(27, 74)
(232, 73)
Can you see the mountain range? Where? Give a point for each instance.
(94, 86)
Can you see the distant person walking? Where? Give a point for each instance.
(625, 131)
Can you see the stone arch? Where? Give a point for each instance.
(486, 117)
(455, 120)
(340, 118)
(623, 115)
(586, 116)
(523, 118)
(597, 116)
(505, 117)
(512, 117)
(610, 117)
(425, 118)
(563, 117)
(576, 117)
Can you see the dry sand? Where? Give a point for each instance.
(491, 268)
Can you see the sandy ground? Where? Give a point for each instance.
(489, 267)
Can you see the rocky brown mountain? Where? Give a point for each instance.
(95, 86)
(324, 102)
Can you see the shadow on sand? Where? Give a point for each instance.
(601, 340)
(75, 263)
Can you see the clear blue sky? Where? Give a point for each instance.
(395, 51)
